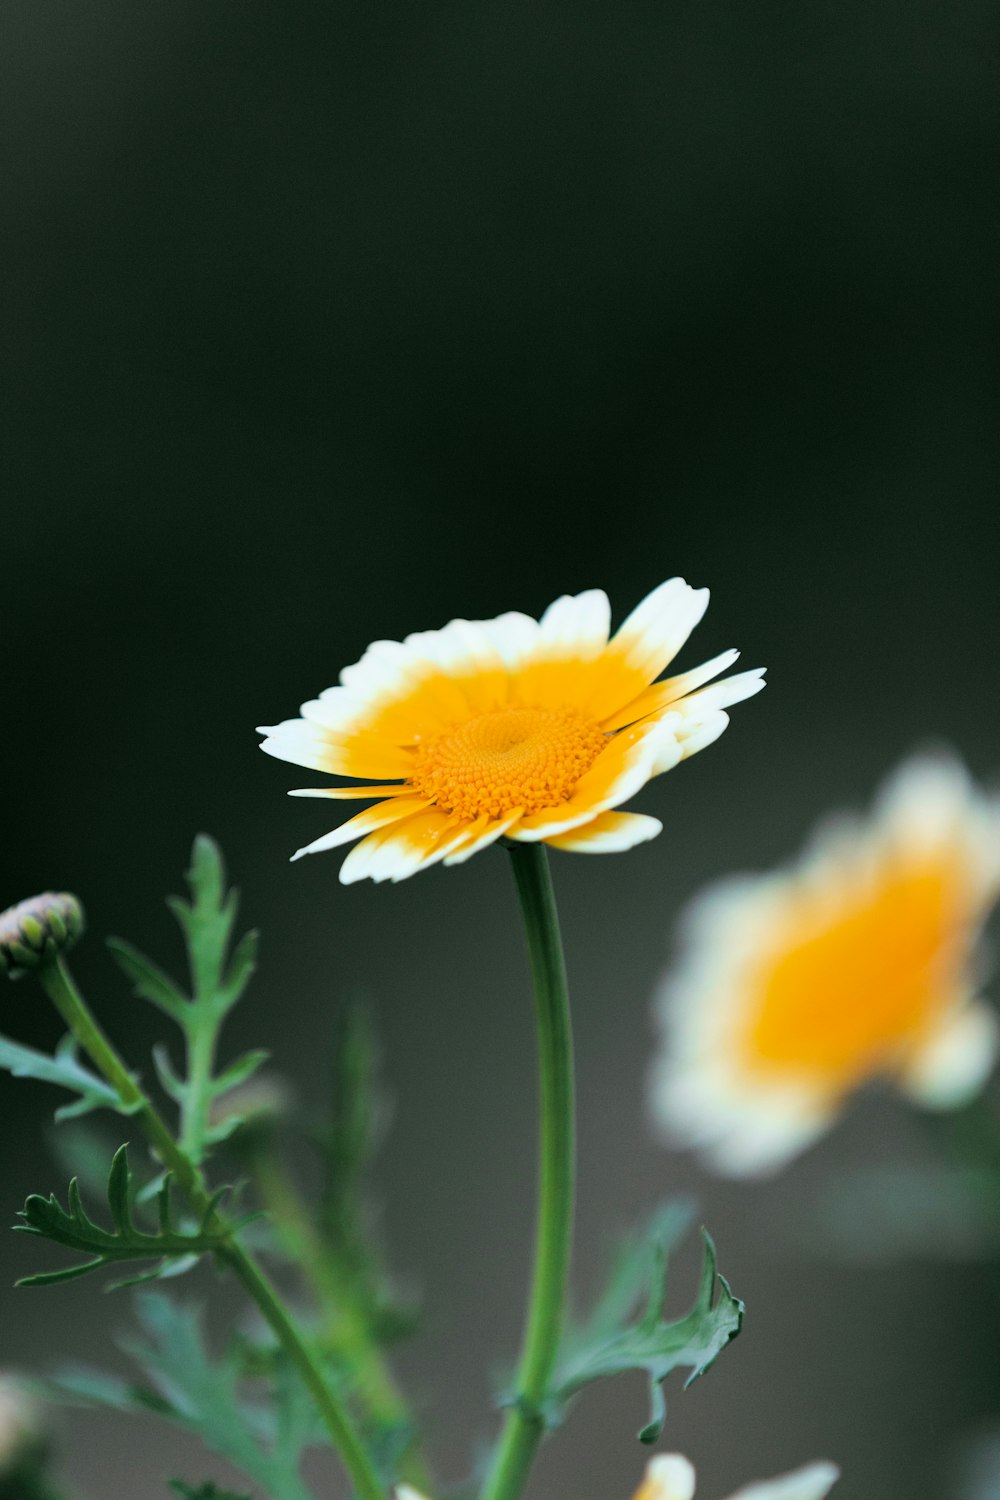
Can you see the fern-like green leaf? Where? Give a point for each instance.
(176, 1250)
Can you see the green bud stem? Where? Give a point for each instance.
(525, 1423)
(61, 989)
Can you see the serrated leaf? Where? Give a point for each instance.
(238, 1072)
(170, 1080)
(64, 1069)
(651, 1343)
(73, 1228)
(148, 981)
(241, 967)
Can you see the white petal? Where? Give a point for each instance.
(657, 628)
(730, 690)
(669, 1476)
(406, 1492)
(396, 852)
(577, 625)
(687, 682)
(365, 822)
(952, 1066)
(358, 793)
(514, 637)
(811, 1483)
(477, 837)
(698, 733)
(609, 833)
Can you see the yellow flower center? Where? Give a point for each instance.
(528, 758)
(853, 984)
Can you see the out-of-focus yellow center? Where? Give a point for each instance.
(650, 1490)
(528, 758)
(858, 974)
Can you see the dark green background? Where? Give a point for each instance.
(325, 322)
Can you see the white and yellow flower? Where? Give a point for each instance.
(794, 989)
(532, 730)
(671, 1477)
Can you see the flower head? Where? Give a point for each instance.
(795, 988)
(536, 730)
(33, 931)
(671, 1477)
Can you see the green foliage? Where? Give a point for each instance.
(176, 1250)
(348, 1146)
(207, 1491)
(610, 1342)
(217, 983)
(65, 1069)
(205, 1394)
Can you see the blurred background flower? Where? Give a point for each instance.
(324, 323)
(794, 989)
(671, 1477)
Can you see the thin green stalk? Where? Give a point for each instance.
(61, 989)
(525, 1423)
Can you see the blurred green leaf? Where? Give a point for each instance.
(217, 983)
(348, 1146)
(207, 1491)
(206, 1394)
(64, 1069)
(888, 1213)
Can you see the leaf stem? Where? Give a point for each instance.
(200, 1062)
(525, 1423)
(59, 985)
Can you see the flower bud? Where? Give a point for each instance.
(34, 931)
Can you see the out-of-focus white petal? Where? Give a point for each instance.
(669, 1476)
(813, 1482)
(956, 1059)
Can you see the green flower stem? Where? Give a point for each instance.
(61, 989)
(525, 1423)
(346, 1328)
